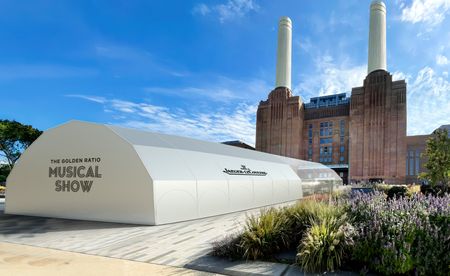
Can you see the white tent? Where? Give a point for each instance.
(99, 172)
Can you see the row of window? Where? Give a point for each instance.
(330, 159)
(326, 152)
(325, 159)
(326, 140)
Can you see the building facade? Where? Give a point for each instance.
(415, 160)
(361, 136)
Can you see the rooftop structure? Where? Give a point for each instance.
(329, 100)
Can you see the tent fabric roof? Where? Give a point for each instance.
(144, 138)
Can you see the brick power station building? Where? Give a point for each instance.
(362, 137)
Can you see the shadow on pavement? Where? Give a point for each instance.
(18, 224)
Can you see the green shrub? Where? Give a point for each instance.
(265, 234)
(302, 214)
(229, 247)
(397, 192)
(412, 190)
(384, 188)
(326, 244)
(435, 190)
(344, 193)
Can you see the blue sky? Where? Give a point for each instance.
(200, 68)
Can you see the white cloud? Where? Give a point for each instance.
(331, 78)
(428, 92)
(237, 123)
(89, 98)
(397, 75)
(442, 60)
(428, 102)
(430, 12)
(228, 11)
(218, 89)
(201, 9)
(135, 60)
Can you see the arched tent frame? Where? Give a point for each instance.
(149, 178)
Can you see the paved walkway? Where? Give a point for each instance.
(28, 260)
(178, 244)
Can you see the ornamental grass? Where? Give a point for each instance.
(406, 234)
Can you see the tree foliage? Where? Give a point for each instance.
(14, 139)
(4, 172)
(438, 154)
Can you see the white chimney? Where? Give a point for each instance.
(284, 50)
(377, 37)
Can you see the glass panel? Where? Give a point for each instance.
(417, 165)
(407, 166)
(411, 166)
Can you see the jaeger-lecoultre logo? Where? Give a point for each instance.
(244, 171)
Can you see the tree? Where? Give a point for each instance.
(14, 139)
(4, 172)
(438, 153)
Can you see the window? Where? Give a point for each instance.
(326, 140)
(417, 162)
(411, 167)
(407, 165)
(410, 163)
(310, 134)
(342, 148)
(341, 158)
(310, 152)
(326, 128)
(326, 154)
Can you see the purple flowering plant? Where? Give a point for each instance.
(401, 235)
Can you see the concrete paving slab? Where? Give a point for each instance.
(237, 268)
(174, 244)
(294, 270)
